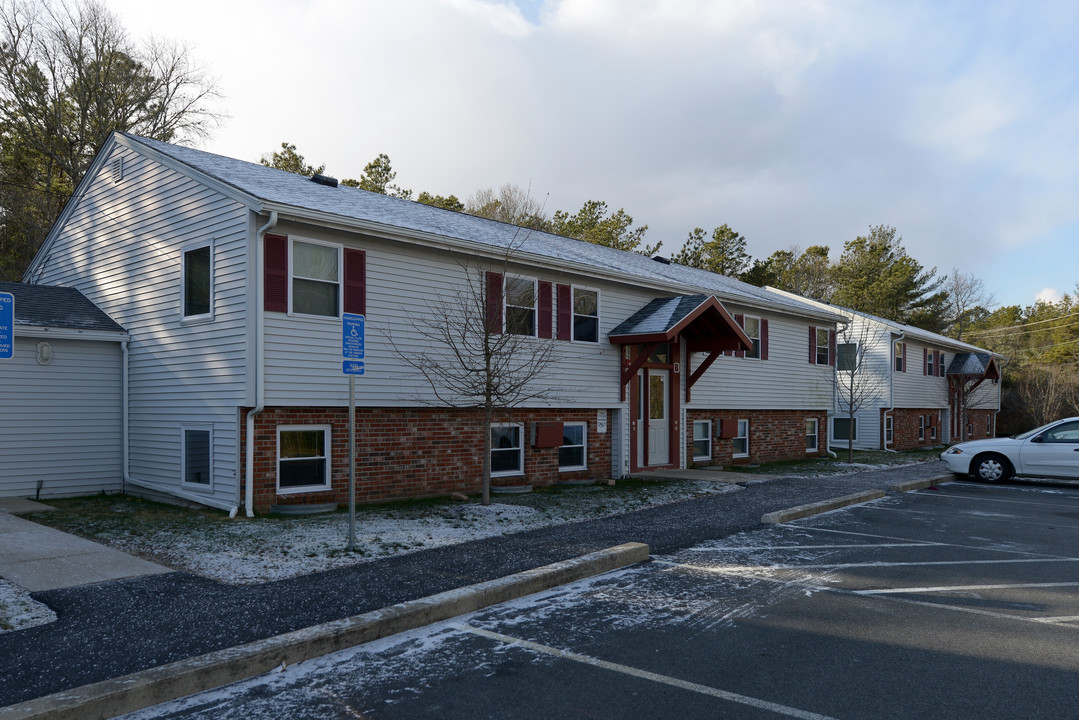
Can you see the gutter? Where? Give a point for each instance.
(891, 389)
(260, 360)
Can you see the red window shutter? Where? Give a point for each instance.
(545, 310)
(925, 361)
(812, 345)
(494, 302)
(275, 273)
(764, 339)
(355, 281)
(565, 312)
(741, 320)
(831, 347)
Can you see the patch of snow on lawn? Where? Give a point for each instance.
(18, 610)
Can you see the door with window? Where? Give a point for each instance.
(659, 431)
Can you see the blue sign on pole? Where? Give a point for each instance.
(352, 336)
(352, 367)
(7, 326)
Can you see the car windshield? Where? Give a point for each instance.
(1035, 431)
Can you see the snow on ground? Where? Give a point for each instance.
(18, 610)
(246, 552)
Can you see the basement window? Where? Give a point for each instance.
(303, 458)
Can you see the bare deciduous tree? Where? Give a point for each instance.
(511, 204)
(470, 360)
(967, 300)
(1049, 392)
(858, 373)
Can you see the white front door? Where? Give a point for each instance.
(659, 432)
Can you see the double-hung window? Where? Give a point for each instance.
(585, 315)
(823, 345)
(752, 327)
(197, 456)
(812, 442)
(507, 450)
(846, 357)
(520, 306)
(888, 429)
(898, 354)
(921, 427)
(316, 279)
(197, 283)
(303, 458)
(702, 440)
(740, 443)
(573, 454)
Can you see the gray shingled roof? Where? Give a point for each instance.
(659, 316)
(279, 187)
(969, 364)
(57, 307)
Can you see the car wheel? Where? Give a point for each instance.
(991, 468)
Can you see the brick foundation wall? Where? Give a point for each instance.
(982, 424)
(413, 452)
(905, 428)
(774, 435)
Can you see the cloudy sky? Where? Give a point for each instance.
(796, 123)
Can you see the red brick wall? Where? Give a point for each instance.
(977, 420)
(773, 435)
(413, 452)
(905, 428)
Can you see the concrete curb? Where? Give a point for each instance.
(185, 677)
(920, 484)
(801, 511)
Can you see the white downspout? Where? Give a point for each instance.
(123, 416)
(260, 386)
(891, 390)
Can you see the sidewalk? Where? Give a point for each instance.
(39, 558)
(108, 629)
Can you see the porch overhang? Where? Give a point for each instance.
(972, 369)
(701, 320)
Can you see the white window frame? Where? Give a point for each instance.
(506, 304)
(573, 312)
(584, 448)
(209, 430)
(854, 429)
(755, 351)
(989, 425)
(742, 434)
(930, 364)
(201, 317)
(898, 357)
(707, 438)
(292, 277)
(815, 435)
(825, 347)
(889, 429)
(327, 449)
(921, 427)
(520, 469)
(839, 354)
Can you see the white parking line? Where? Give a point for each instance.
(646, 675)
(961, 496)
(958, 588)
(844, 566)
(810, 547)
(1028, 553)
(1059, 621)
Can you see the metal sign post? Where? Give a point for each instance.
(352, 349)
(7, 326)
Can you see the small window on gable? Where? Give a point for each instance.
(573, 453)
(197, 457)
(585, 315)
(520, 306)
(752, 327)
(316, 279)
(196, 286)
(822, 346)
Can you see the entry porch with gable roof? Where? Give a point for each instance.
(650, 343)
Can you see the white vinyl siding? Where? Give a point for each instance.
(126, 260)
(61, 422)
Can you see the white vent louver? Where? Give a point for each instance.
(117, 169)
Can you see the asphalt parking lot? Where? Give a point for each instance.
(950, 603)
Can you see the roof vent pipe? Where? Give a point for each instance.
(661, 259)
(324, 180)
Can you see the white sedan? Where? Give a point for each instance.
(1049, 451)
